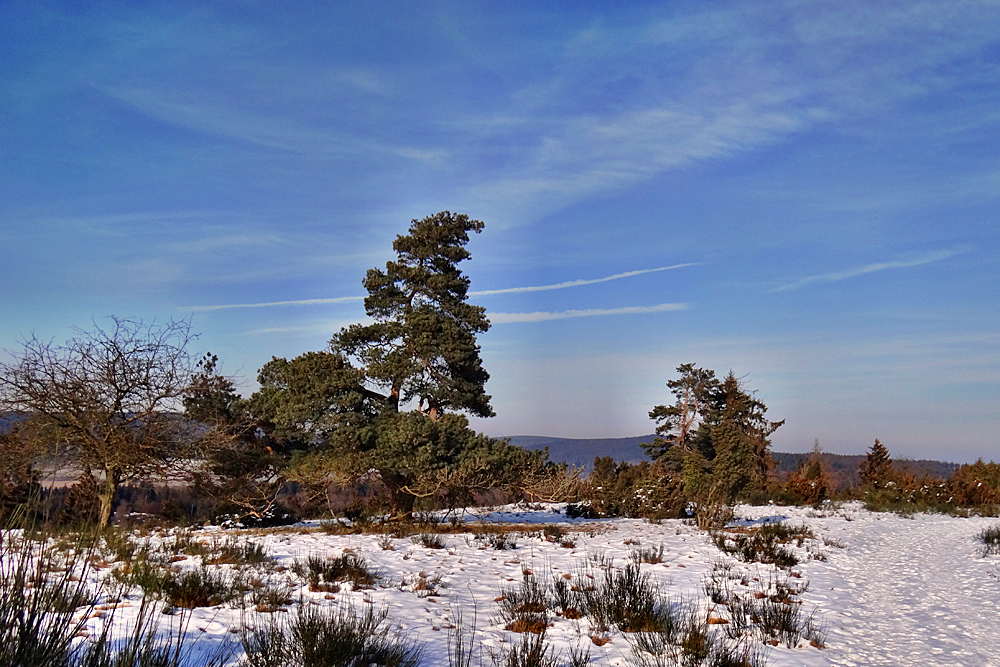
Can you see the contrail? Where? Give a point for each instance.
(508, 290)
(870, 268)
(504, 318)
(577, 283)
(300, 302)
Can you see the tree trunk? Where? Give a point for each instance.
(401, 501)
(107, 496)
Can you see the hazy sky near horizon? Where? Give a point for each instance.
(806, 193)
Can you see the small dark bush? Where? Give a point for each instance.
(80, 505)
(580, 511)
(763, 544)
(976, 485)
(201, 588)
(234, 552)
(647, 490)
(494, 538)
(271, 518)
(316, 637)
(532, 651)
(430, 540)
(648, 555)
(525, 607)
(990, 537)
(324, 574)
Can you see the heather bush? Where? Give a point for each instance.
(645, 489)
(318, 637)
(325, 574)
(990, 537)
(976, 485)
(45, 602)
(763, 544)
(525, 607)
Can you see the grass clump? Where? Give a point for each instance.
(201, 588)
(188, 589)
(689, 642)
(531, 651)
(269, 596)
(765, 612)
(625, 598)
(40, 589)
(557, 535)
(650, 555)
(430, 540)
(622, 598)
(234, 552)
(148, 577)
(326, 574)
(764, 544)
(990, 537)
(184, 542)
(317, 637)
(460, 646)
(119, 545)
(142, 648)
(525, 607)
(37, 594)
(493, 538)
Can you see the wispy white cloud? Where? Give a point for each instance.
(578, 283)
(228, 122)
(225, 118)
(543, 316)
(748, 86)
(599, 154)
(226, 242)
(870, 268)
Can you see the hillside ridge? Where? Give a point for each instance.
(582, 451)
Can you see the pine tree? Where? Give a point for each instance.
(747, 414)
(677, 424)
(876, 469)
(422, 344)
(388, 395)
(740, 437)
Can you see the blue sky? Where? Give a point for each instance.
(803, 192)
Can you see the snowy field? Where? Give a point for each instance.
(884, 589)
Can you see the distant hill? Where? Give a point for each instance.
(583, 451)
(8, 419)
(843, 468)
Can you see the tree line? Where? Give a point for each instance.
(386, 401)
(377, 419)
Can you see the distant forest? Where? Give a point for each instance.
(842, 468)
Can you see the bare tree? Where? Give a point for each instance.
(109, 398)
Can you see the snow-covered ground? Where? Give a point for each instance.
(888, 590)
